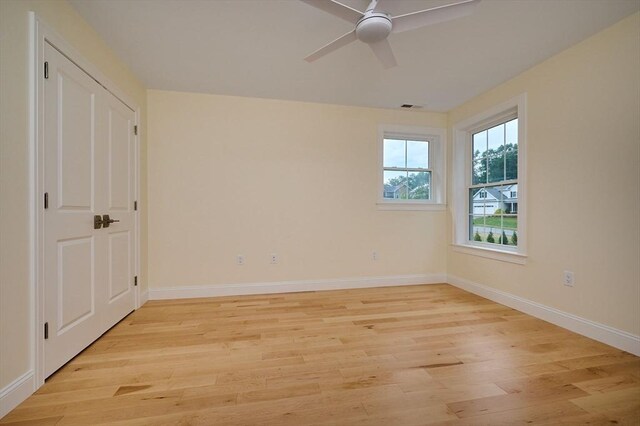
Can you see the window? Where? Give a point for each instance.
(411, 168)
(494, 172)
(489, 187)
(406, 169)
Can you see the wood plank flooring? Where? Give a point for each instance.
(412, 355)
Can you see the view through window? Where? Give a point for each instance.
(406, 171)
(493, 191)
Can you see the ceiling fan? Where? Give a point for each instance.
(374, 26)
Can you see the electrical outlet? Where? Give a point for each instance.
(274, 258)
(240, 259)
(374, 255)
(568, 279)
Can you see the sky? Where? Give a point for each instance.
(494, 137)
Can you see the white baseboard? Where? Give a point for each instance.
(16, 392)
(594, 330)
(292, 286)
(144, 297)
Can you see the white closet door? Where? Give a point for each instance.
(88, 273)
(120, 191)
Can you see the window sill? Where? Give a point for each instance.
(411, 206)
(501, 255)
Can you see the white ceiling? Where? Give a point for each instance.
(256, 47)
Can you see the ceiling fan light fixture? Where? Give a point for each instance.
(373, 27)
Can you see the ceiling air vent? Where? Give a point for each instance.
(410, 106)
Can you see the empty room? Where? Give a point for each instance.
(319, 212)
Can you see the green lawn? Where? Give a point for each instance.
(508, 222)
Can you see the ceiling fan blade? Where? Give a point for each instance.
(411, 21)
(334, 45)
(338, 9)
(383, 52)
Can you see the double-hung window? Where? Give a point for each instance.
(493, 206)
(411, 168)
(488, 183)
(406, 169)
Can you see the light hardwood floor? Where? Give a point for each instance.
(384, 356)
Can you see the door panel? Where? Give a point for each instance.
(76, 282)
(119, 264)
(88, 167)
(76, 120)
(120, 150)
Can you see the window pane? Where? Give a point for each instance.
(495, 153)
(418, 154)
(477, 229)
(498, 194)
(511, 149)
(394, 153)
(420, 186)
(511, 131)
(509, 202)
(479, 172)
(489, 199)
(395, 184)
(510, 221)
(495, 137)
(479, 145)
(486, 228)
(476, 201)
(510, 229)
(495, 164)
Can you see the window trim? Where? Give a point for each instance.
(437, 166)
(461, 180)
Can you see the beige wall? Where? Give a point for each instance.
(583, 181)
(15, 322)
(230, 175)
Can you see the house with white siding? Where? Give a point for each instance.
(489, 200)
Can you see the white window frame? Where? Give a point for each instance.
(461, 180)
(437, 166)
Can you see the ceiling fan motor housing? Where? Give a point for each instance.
(373, 27)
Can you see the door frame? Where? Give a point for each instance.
(39, 34)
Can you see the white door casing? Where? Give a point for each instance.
(89, 170)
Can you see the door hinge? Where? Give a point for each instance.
(46, 200)
(46, 330)
(135, 129)
(135, 280)
(135, 205)
(46, 70)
